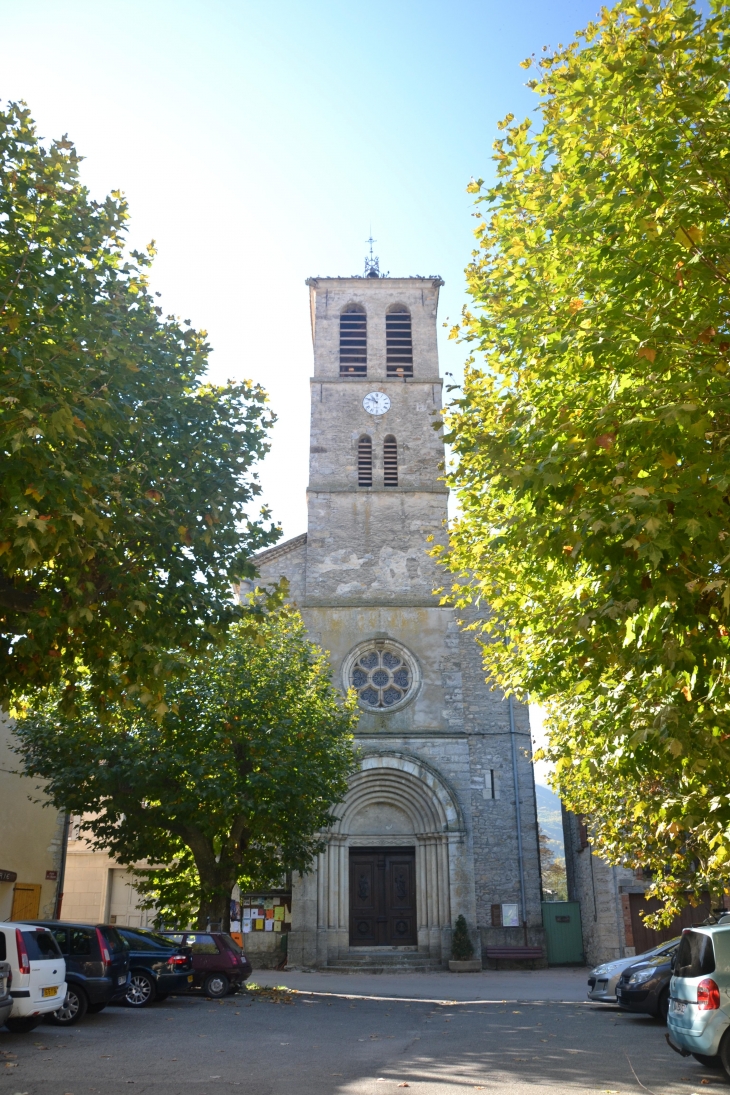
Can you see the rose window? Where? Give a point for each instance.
(381, 677)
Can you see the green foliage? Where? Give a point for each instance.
(231, 785)
(552, 869)
(592, 442)
(461, 945)
(125, 479)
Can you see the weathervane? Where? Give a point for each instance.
(372, 263)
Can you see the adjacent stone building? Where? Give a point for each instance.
(32, 835)
(431, 827)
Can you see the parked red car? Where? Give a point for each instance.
(219, 964)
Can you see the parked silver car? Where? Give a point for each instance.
(602, 981)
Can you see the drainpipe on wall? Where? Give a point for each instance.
(518, 816)
(619, 917)
(62, 869)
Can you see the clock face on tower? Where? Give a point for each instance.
(376, 403)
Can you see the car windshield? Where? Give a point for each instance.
(661, 948)
(696, 955)
(114, 940)
(668, 948)
(142, 940)
(202, 944)
(41, 944)
(231, 944)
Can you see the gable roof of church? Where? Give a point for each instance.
(272, 553)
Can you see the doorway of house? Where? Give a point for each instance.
(382, 897)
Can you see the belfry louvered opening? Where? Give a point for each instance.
(398, 342)
(353, 341)
(390, 462)
(365, 462)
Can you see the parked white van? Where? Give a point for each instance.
(38, 971)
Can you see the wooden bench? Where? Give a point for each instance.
(514, 954)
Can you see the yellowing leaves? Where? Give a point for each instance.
(689, 237)
(668, 460)
(648, 352)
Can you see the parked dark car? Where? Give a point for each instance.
(6, 1000)
(644, 987)
(96, 968)
(219, 964)
(157, 966)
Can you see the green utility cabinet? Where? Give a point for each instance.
(563, 933)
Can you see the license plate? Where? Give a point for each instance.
(190, 977)
(679, 1006)
(618, 991)
(50, 991)
(122, 980)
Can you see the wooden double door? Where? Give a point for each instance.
(382, 897)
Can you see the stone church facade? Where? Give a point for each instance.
(431, 827)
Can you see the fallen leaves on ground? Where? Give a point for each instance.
(276, 994)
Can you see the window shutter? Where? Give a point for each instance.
(353, 343)
(398, 344)
(364, 462)
(390, 462)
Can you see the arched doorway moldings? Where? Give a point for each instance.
(388, 782)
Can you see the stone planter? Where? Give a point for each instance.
(468, 965)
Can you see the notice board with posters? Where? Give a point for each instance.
(262, 912)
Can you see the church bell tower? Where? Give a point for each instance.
(430, 828)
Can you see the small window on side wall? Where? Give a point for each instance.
(398, 342)
(390, 462)
(365, 462)
(353, 341)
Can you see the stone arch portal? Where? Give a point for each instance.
(395, 799)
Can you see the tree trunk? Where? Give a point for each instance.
(217, 876)
(215, 909)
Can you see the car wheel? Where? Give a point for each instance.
(24, 1025)
(216, 985)
(140, 990)
(94, 1009)
(708, 1062)
(72, 1010)
(663, 1008)
(723, 1053)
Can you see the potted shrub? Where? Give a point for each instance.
(462, 951)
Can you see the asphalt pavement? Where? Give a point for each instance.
(551, 984)
(282, 1043)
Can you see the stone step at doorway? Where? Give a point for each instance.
(385, 961)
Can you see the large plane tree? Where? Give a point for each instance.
(592, 435)
(233, 784)
(125, 477)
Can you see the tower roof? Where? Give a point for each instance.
(313, 282)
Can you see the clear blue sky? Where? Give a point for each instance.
(258, 142)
